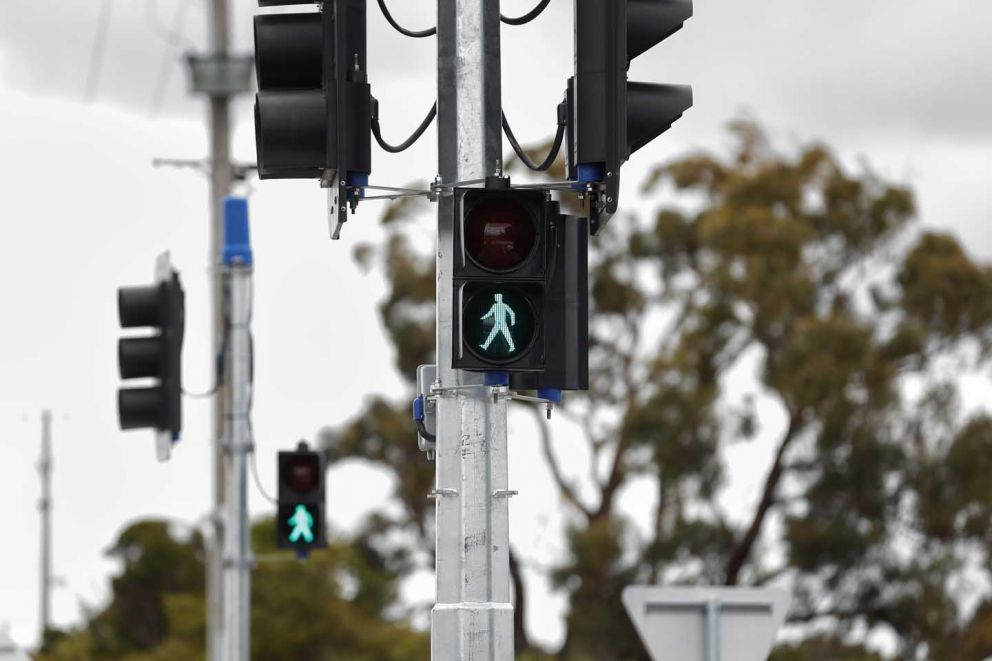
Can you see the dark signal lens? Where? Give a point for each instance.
(302, 476)
(499, 235)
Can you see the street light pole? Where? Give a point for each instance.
(473, 614)
(45, 507)
(220, 187)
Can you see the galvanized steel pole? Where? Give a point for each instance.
(473, 615)
(238, 560)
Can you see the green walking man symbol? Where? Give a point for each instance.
(499, 313)
(302, 522)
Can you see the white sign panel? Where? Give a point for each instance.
(706, 624)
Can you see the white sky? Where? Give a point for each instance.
(905, 83)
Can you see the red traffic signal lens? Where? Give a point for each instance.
(303, 474)
(499, 234)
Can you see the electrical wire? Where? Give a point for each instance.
(258, 482)
(403, 146)
(173, 41)
(202, 395)
(173, 34)
(416, 34)
(522, 154)
(529, 16)
(97, 50)
(430, 32)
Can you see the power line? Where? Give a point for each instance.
(173, 39)
(96, 52)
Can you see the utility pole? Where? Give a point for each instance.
(237, 560)
(45, 507)
(473, 616)
(220, 187)
(215, 76)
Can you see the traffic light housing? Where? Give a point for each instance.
(566, 311)
(500, 278)
(300, 512)
(520, 287)
(155, 356)
(610, 117)
(313, 108)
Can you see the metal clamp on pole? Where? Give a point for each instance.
(547, 396)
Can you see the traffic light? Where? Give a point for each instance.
(300, 513)
(313, 109)
(157, 356)
(520, 287)
(500, 273)
(611, 117)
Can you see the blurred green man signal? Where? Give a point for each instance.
(300, 512)
(302, 522)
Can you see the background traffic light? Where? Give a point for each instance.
(157, 356)
(300, 512)
(610, 117)
(313, 107)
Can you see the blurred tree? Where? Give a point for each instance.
(340, 604)
(771, 281)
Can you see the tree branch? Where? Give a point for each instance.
(566, 489)
(521, 643)
(659, 520)
(743, 550)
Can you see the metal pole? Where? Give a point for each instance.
(714, 646)
(237, 557)
(473, 616)
(45, 507)
(220, 187)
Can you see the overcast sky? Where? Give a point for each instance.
(906, 84)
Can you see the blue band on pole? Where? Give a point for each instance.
(237, 241)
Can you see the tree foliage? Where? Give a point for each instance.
(340, 604)
(779, 282)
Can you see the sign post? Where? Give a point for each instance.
(706, 624)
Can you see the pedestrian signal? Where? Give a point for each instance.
(502, 239)
(500, 323)
(300, 512)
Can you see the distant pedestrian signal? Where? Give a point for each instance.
(302, 523)
(300, 513)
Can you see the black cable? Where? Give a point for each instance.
(529, 16)
(416, 34)
(430, 32)
(403, 146)
(522, 155)
(422, 430)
